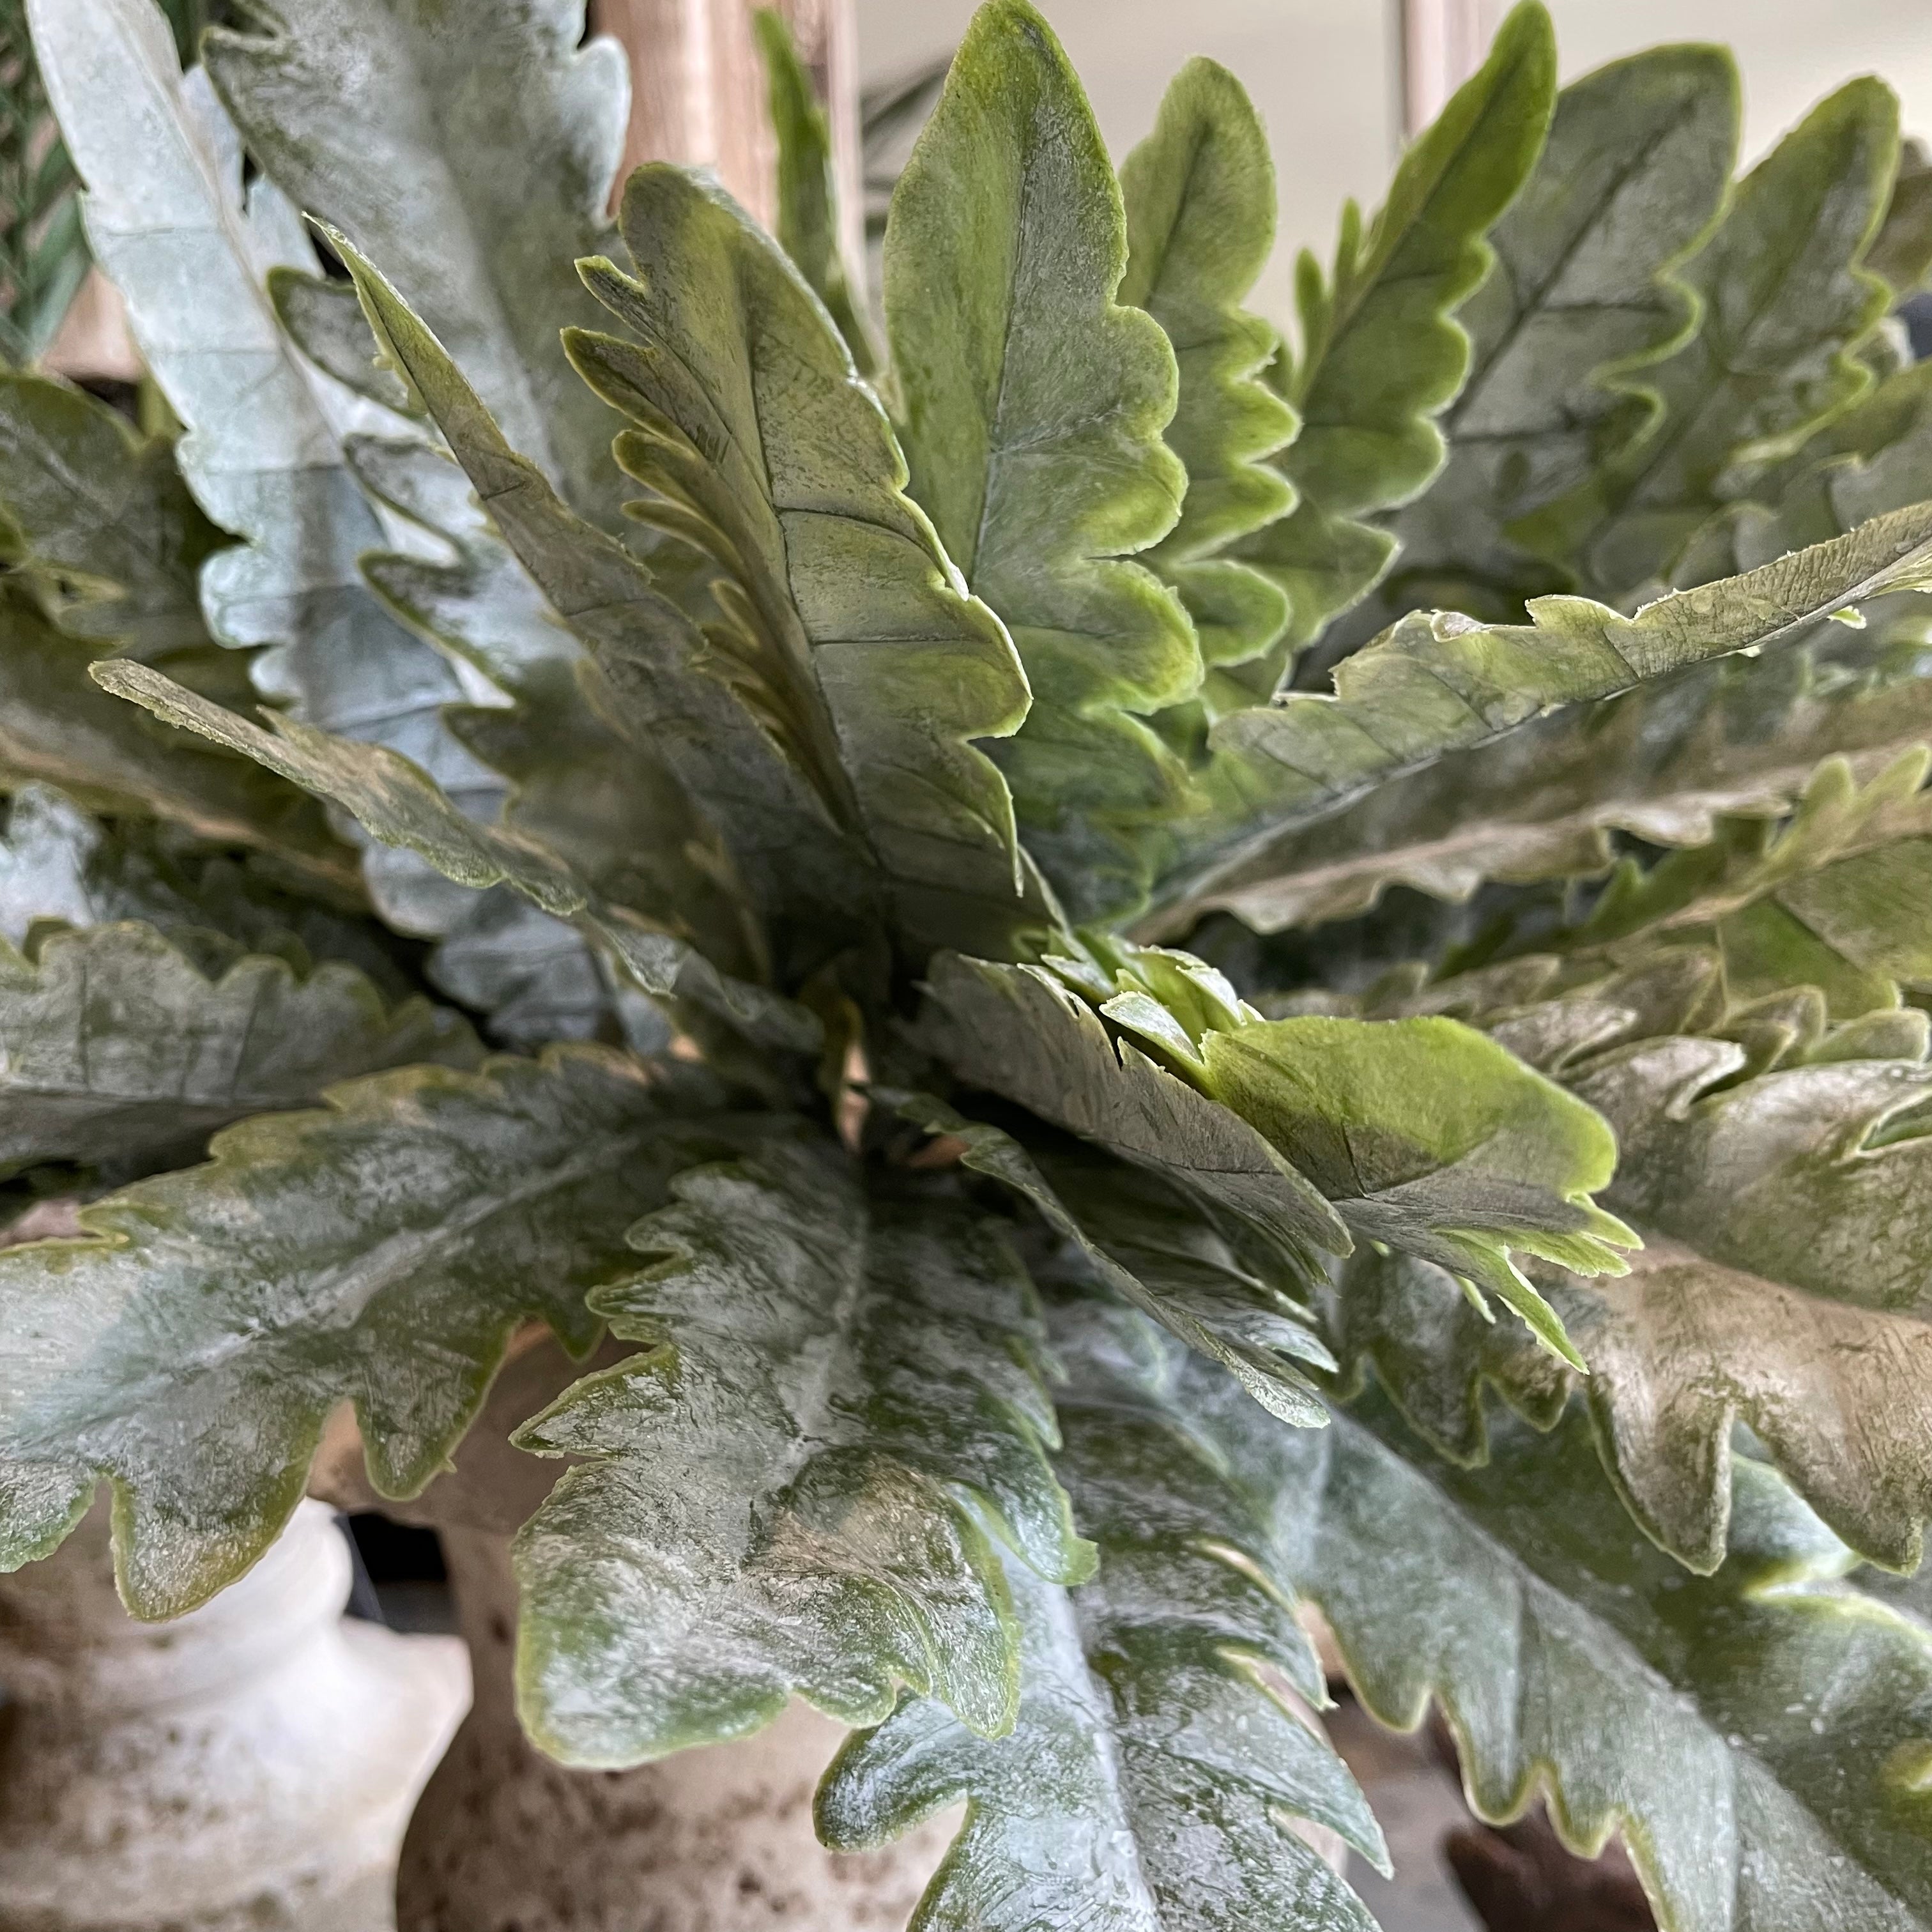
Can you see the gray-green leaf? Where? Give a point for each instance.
(783, 1493)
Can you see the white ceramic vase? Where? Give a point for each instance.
(250, 1767)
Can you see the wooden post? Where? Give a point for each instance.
(697, 91)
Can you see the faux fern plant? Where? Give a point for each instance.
(625, 823)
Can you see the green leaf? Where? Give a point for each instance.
(1783, 1284)
(166, 213)
(808, 187)
(264, 454)
(1588, 292)
(1441, 683)
(806, 882)
(1158, 1252)
(1380, 354)
(1200, 201)
(1431, 1139)
(842, 623)
(189, 1345)
(575, 783)
(105, 514)
(472, 149)
(1901, 251)
(1758, 1737)
(118, 1052)
(59, 864)
(1151, 1780)
(324, 321)
(1771, 1158)
(783, 1493)
(396, 803)
(1019, 1032)
(1033, 404)
(56, 726)
(1784, 301)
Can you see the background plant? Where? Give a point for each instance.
(808, 790)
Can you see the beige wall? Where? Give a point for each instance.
(1321, 73)
(1791, 52)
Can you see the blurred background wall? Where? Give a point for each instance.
(1328, 76)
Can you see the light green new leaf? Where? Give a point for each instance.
(784, 1493)
(842, 626)
(396, 803)
(165, 213)
(189, 1345)
(1431, 1139)
(1586, 293)
(1157, 1251)
(1019, 1032)
(1759, 1738)
(1152, 1777)
(1033, 404)
(1380, 353)
(56, 726)
(470, 146)
(806, 881)
(1200, 201)
(1441, 682)
(105, 515)
(118, 1052)
(1783, 302)
(808, 188)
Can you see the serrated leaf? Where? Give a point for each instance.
(397, 803)
(1157, 1251)
(324, 321)
(1019, 1032)
(1758, 1737)
(59, 864)
(472, 148)
(1784, 301)
(1151, 1779)
(1588, 292)
(1033, 403)
(117, 1052)
(1664, 762)
(1783, 1284)
(1200, 201)
(1380, 353)
(165, 211)
(107, 514)
(782, 1495)
(188, 1347)
(842, 623)
(801, 874)
(56, 728)
(807, 211)
(576, 783)
(1431, 1139)
(1435, 684)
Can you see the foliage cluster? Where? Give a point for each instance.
(656, 803)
